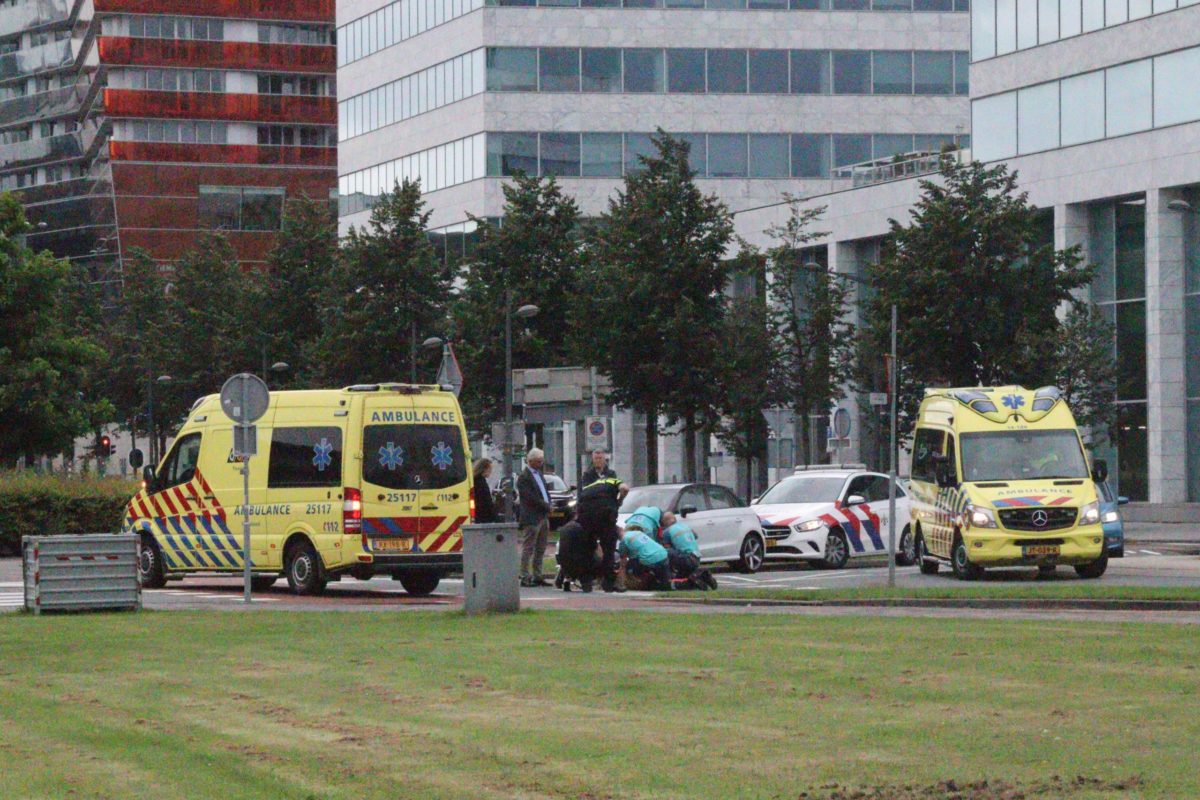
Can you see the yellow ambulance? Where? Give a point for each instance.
(1000, 478)
(358, 481)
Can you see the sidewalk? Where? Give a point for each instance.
(1144, 532)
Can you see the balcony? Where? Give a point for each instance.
(44, 105)
(26, 63)
(125, 50)
(890, 169)
(264, 155)
(214, 106)
(41, 151)
(33, 14)
(294, 11)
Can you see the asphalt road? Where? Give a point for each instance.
(1144, 565)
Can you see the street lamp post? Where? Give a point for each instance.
(892, 383)
(152, 430)
(524, 312)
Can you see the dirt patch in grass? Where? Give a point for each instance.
(1056, 786)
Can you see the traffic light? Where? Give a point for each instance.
(104, 447)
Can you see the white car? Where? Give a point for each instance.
(726, 528)
(831, 515)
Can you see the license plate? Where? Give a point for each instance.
(391, 545)
(1040, 550)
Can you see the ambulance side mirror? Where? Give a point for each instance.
(943, 472)
(148, 475)
(683, 512)
(1099, 470)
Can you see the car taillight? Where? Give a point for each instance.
(472, 503)
(352, 511)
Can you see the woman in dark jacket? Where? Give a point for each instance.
(485, 507)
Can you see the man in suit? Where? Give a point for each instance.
(533, 517)
(598, 470)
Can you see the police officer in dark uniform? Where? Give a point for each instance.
(596, 511)
(598, 470)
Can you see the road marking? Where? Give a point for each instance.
(1151, 553)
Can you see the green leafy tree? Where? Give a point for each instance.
(300, 269)
(387, 294)
(535, 254)
(656, 277)
(1086, 370)
(808, 309)
(47, 367)
(976, 287)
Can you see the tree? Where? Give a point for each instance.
(747, 361)
(808, 308)
(656, 276)
(976, 288)
(299, 271)
(44, 362)
(387, 293)
(1086, 370)
(534, 253)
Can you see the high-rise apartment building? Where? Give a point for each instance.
(139, 123)
(773, 95)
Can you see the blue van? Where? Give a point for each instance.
(1110, 519)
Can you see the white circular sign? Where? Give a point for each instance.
(244, 398)
(841, 423)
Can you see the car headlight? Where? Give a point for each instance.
(811, 525)
(571, 504)
(981, 517)
(1089, 514)
(1112, 516)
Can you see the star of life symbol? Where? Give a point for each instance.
(443, 457)
(391, 457)
(1013, 401)
(321, 457)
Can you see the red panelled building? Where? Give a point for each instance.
(218, 111)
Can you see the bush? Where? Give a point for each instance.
(40, 505)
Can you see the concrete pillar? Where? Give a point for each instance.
(844, 259)
(1071, 228)
(1165, 370)
(569, 469)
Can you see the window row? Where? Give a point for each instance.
(437, 168)
(396, 22)
(1137, 96)
(301, 135)
(313, 85)
(175, 80)
(711, 155)
(177, 28)
(698, 71)
(185, 131)
(769, 5)
(240, 208)
(441, 84)
(294, 33)
(1004, 26)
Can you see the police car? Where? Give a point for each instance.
(829, 515)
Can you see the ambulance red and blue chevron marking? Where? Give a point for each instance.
(189, 524)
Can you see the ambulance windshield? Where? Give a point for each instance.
(1022, 455)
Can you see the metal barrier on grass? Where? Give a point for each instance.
(81, 573)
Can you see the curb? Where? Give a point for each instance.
(939, 602)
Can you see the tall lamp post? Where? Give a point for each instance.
(524, 312)
(892, 382)
(153, 455)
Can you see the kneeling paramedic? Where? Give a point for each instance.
(684, 554)
(596, 510)
(641, 554)
(577, 559)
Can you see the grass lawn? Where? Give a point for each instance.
(577, 705)
(1080, 590)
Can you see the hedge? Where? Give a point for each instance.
(32, 504)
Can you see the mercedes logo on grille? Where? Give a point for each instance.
(1040, 518)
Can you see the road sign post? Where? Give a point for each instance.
(244, 399)
(892, 462)
(776, 418)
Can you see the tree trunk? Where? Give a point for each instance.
(689, 448)
(801, 437)
(652, 446)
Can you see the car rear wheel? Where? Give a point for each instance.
(419, 584)
(750, 557)
(906, 550)
(150, 564)
(960, 561)
(305, 575)
(837, 550)
(1047, 569)
(1094, 569)
(928, 564)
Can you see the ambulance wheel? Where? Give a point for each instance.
(260, 583)
(837, 550)
(1094, 569)
(304, 572)
(964, 570)
(906, 550)
(751, 556)
(419, 584)
(928, 565)
(150, 564)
